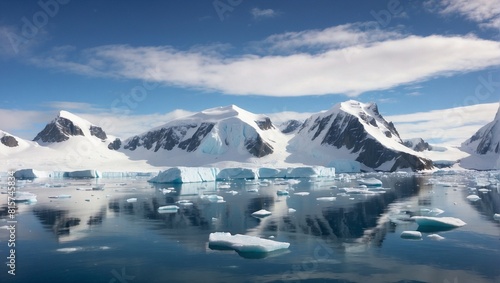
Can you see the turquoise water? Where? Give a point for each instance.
(97, 236)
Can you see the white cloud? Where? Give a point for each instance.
(448, 126)
(484, 12)
(354, 63)
(263, 13)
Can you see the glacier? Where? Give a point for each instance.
(210, 174)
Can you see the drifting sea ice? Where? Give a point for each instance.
(326, 199)
(416, 235)
(130, 200)
(435, 237)
(212, 198)
(496, 216)
(244, 243)
(443, 222)
(261, 213)
(473, 198)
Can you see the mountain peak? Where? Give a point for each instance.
(67, 124)
(487, 139)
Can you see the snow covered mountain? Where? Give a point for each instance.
(350, 134)
(219, 134)
(66, 125)
(484, 147)
(66, 143)
(417, 144)
(487, 139)
(354, 131)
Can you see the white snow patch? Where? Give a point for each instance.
(245, 243)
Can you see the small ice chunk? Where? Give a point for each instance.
(69, 250)
(496, 216)
(291, 210)
(212, 198)
(232, 192)
(168, 209)
(244, 243)
(371, 182)
(261, 213)
(302, 194)
(184, 202)
(326, 199)
(473, 197)
(282, 193)
(130, 200)
(444, 222)
(411, 235)
(435, 237)
(253, 190)
(61, 196)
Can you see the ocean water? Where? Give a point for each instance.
(98, 236)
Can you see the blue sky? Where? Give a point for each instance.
(156, 60)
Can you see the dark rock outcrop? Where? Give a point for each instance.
(59, 130)
(9, 141)
(115, 145)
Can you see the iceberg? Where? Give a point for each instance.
(244, 243)
(61, 196)
(416, 235)
(186, 175)
(130, 200)
(326, 199)
(473, 197)
(212, 198)
(83, 174)
(168, 209)
(272, 172)
(439, 222)
(261, 213)
(310, 172)
(371, 182)
(31, 174)
(25, 197)
(302, 194)
(237, 173)
(496, 216)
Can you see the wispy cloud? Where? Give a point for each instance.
(258, 13)
(332, 70)
(448, 126)
(485, 12)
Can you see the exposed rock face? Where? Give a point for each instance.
(9, 141)
(115, 145)
(258, 147)
(487, 139)
(98, 132)
(59, 130)
(164, 138)
(417, 144)
(266, 124)
(290, 126)
(361, 130)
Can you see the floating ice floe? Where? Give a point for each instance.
(473, 197)
(130, 200)
(411, 235)
(61, 196)
(212, 198)
(443, 222)
(431, 212)
(253, 190)
(291, 210)
(168, 209)
(25, 197)
(244, 243)
(496, 216)
(302, 194)
(261, 213)
(371, 182)
(282, 192)
(326, 199)
(184, 202)
(435, 237)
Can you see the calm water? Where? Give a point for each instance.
(97, 236)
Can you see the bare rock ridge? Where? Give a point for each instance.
(417, 144)
(9, 141)
(66, 125)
